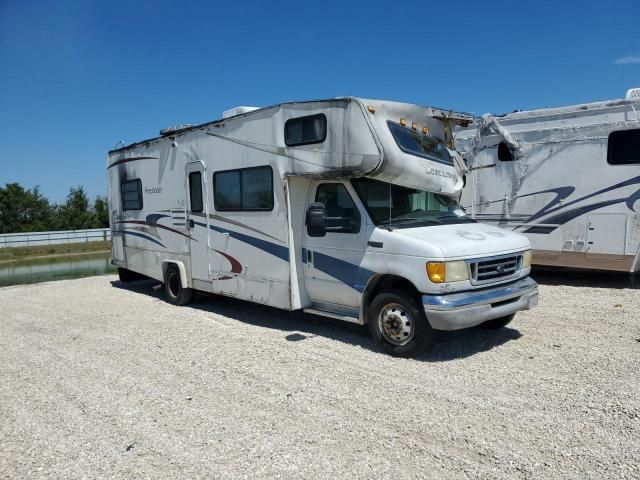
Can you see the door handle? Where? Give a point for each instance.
(192, 224)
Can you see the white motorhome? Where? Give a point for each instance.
(343, 207)
(568, 178)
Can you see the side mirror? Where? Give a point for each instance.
(316, 220)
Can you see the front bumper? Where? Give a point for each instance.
(455, 311)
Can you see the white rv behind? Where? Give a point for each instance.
(343, 207)
(568, 178)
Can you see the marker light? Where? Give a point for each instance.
(425, 130)
(440, 272)
(414, 126)
(526, 258)
(403, 122)
(436, 271)
(371, 109)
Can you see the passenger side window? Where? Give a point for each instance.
(342, 213)
(305, 130)
(624, 147)
(131, 193)
(195, 191)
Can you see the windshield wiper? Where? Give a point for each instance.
(414, 219)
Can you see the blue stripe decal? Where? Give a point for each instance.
(142, 235)
(353, 275)
(274, 249)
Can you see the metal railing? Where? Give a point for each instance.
(29, 239)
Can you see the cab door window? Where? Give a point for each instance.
(342, 213)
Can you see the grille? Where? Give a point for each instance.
(492, 269)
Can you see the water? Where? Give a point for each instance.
(55, 268)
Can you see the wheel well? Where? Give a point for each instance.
(183, 277)
(383, 283)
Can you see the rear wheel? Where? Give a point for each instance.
(173, 289)
(398, 325)
(497, 323)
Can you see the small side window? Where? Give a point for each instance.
(624, 147)
(305, 130)
(342, 213)
(504, 153)
(131, 192)
(195, 191)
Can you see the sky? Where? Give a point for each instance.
(76, 77)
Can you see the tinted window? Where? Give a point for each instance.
(305, 130)
(131, 191)
(245, 189)
(195, 191)
(624, 147)
(417, 143)
(342, 213)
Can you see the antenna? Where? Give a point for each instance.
(121, 142)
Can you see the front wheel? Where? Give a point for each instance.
(398, 324)
(173, 289)
(497, 323)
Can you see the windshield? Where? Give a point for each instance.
(409, 207)
(417, 143)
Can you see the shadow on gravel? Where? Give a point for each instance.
(587, 278)
(297, 326)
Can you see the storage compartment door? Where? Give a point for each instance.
(607, 234)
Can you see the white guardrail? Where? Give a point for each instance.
(28, 239)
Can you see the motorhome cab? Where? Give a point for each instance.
(343, 207)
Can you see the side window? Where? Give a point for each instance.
(195, 191)
(624, 147)
(342, 214)
(305, 130)
(131, 191)
(245, 189)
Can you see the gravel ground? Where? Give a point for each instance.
(102, 381)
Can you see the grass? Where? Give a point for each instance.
(21, 253)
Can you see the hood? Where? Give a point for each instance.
(468, 240)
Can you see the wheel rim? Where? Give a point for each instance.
(174, 284)
(396, 324)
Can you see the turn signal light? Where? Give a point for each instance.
(436, 271)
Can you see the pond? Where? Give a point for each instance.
(46, 269)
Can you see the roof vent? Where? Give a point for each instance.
(165, 132)
(633, 93)
(232, 112)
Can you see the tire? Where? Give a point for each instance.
(173, 290)
(127, 276)
(497, 323)
(387, 312)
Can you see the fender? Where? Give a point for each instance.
(181, 268)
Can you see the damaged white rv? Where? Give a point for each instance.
(343, 207)
(568, 178)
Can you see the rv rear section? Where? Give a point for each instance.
(343, 207)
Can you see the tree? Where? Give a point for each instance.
(100, 213)
(23, 210)
(74, 214)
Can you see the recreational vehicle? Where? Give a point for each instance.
(344, 208)
(568, 178)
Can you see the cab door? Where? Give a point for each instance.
(198, 221)
(332, 273)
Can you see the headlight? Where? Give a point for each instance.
(526, 259)
(440, 272)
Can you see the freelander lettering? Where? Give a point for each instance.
(439, 173)
(152, 190)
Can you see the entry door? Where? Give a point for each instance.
(332, 273)
(198, 220)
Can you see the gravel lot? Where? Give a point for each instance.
(101, 381)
